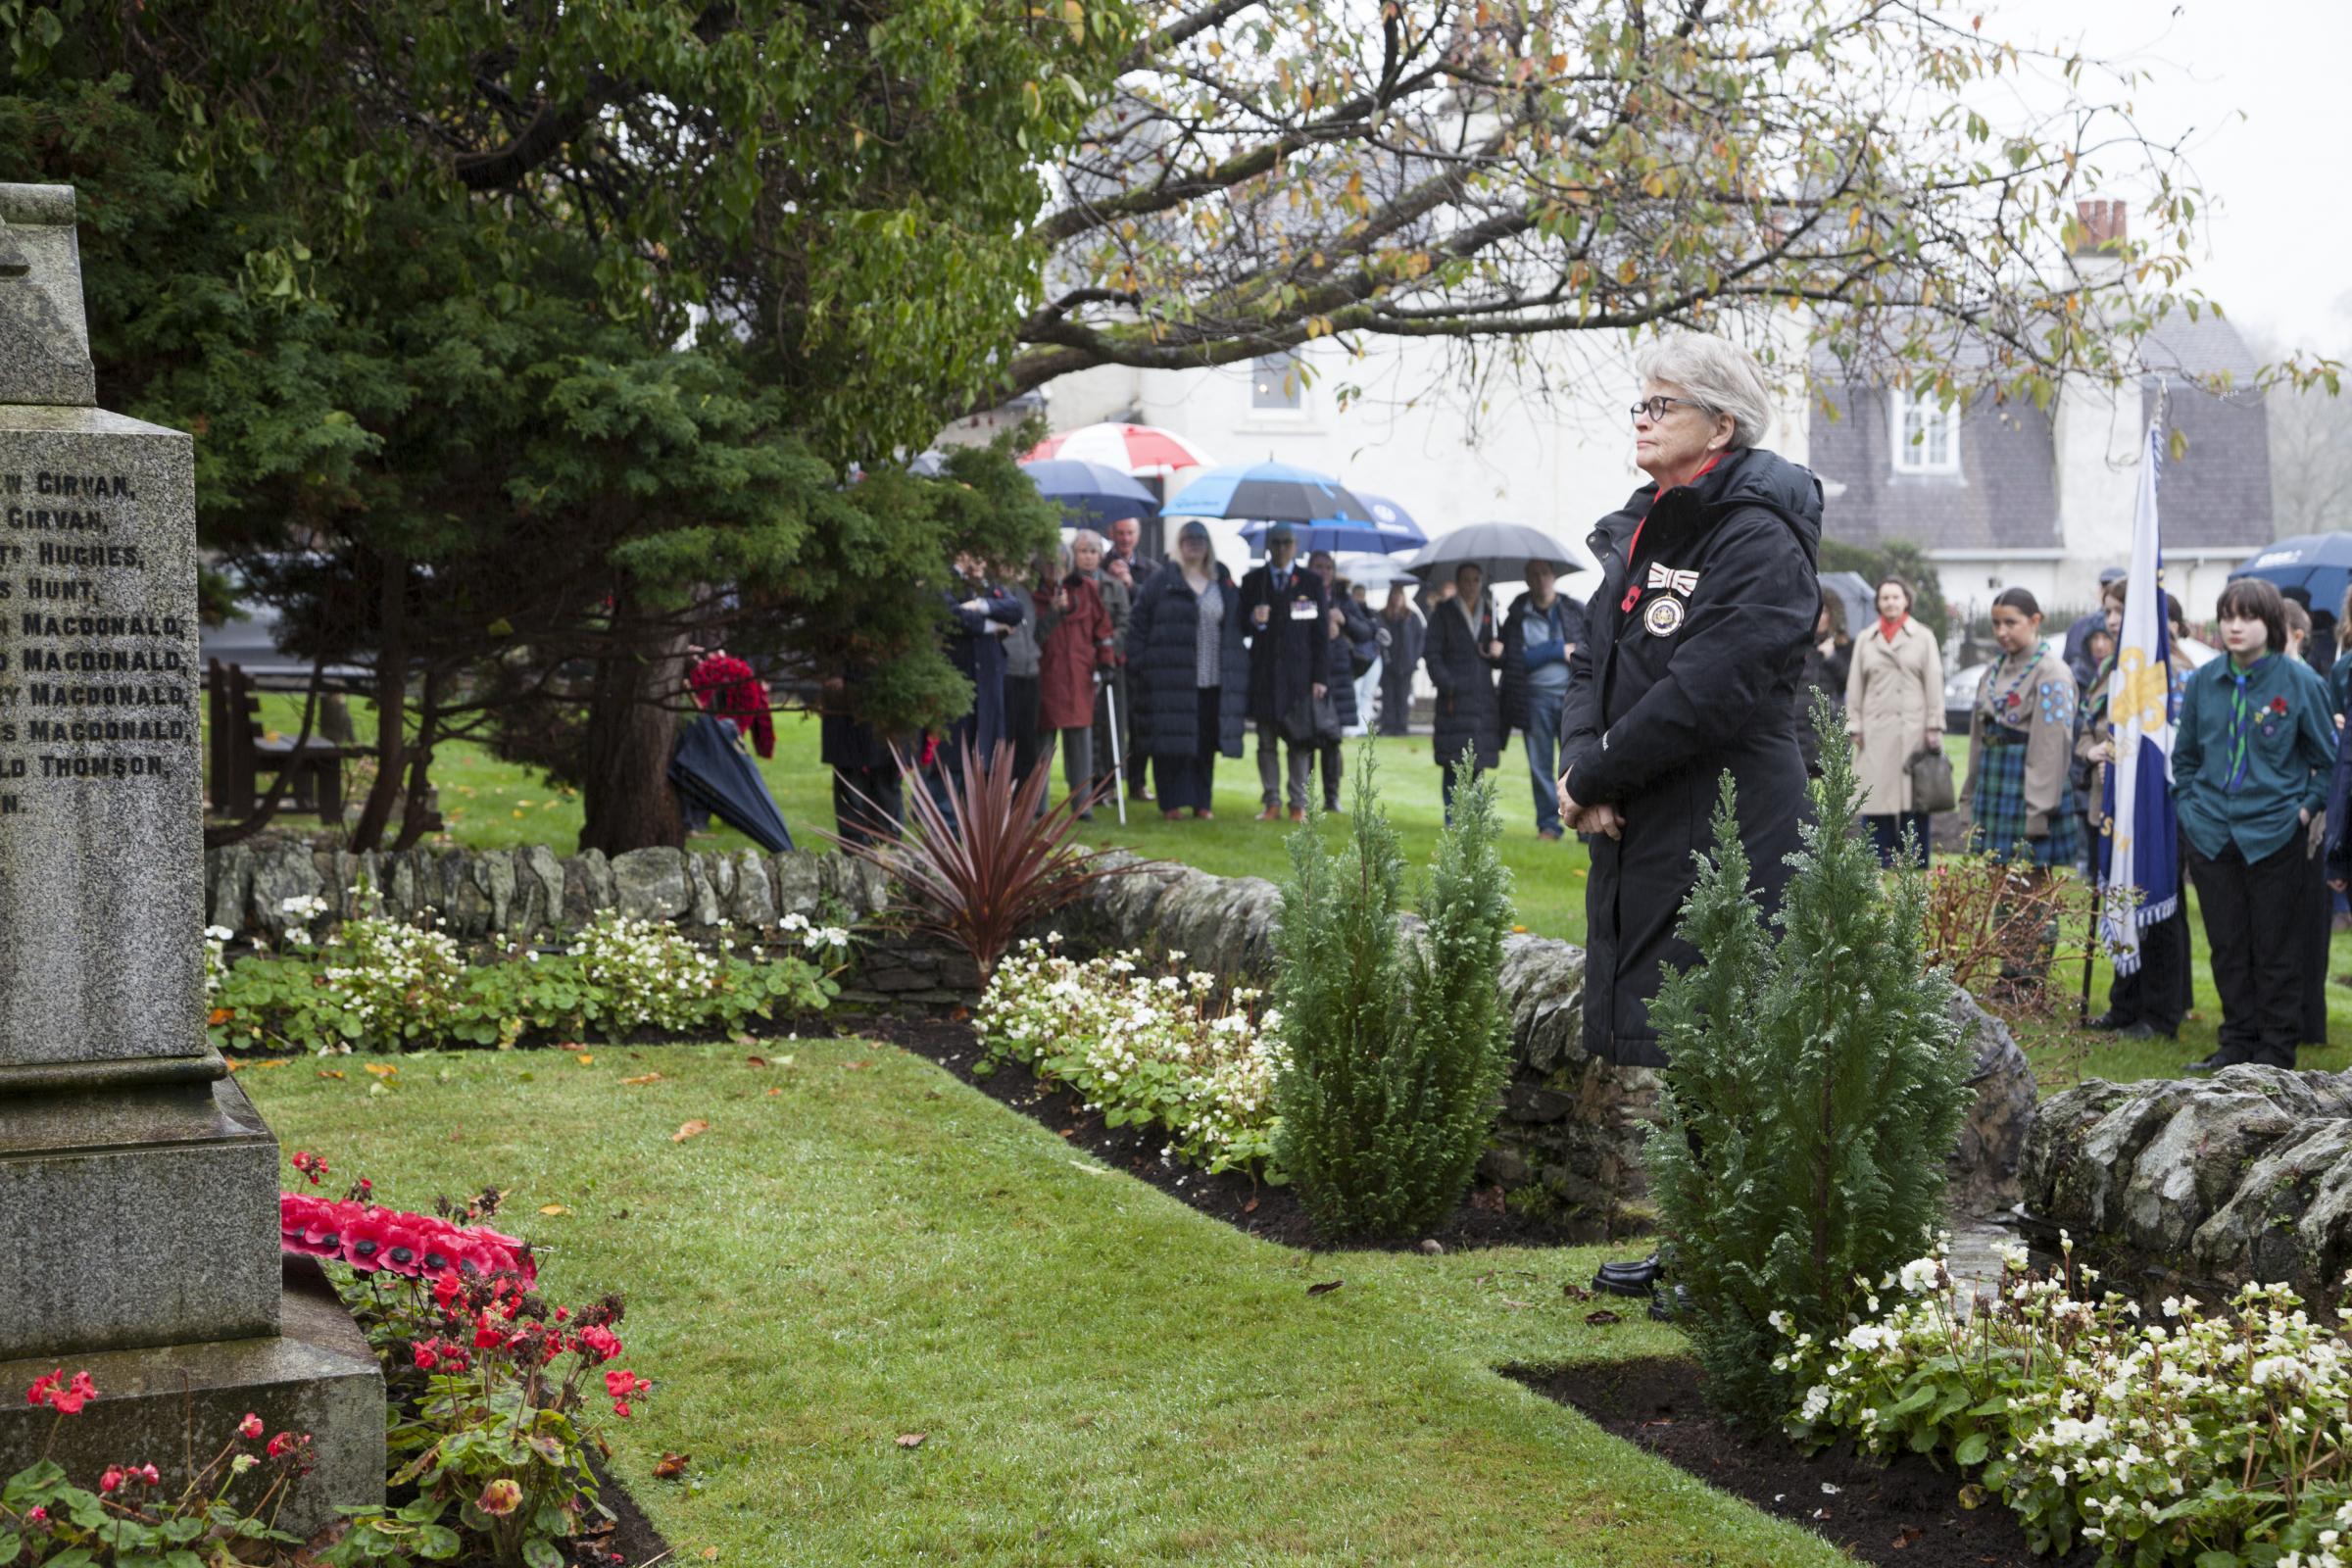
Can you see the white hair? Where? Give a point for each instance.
(1087, 536)
(1716, 372)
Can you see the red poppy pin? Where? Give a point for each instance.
(2279, 705)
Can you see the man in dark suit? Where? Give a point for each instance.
(1284, 613)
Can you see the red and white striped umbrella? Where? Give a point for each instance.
(1141, 451)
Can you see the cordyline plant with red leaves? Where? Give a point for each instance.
(132, 1519)
(993, 862)
(490, 1384)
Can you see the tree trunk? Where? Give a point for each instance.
(416, 817)
(391, 703)
(624, 780)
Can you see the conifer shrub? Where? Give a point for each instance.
(1392, 1046)
(1816, 1089)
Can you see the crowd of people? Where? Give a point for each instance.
(1705, 649)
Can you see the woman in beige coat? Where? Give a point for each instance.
(1893, 708)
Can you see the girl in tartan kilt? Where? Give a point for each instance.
(2020, 745)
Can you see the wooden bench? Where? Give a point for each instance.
(243, 754)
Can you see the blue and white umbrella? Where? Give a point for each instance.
(1100, 493)
(1390, 530)
(1269, 493)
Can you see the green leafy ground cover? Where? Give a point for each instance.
(495, 805)
(1101, 1375)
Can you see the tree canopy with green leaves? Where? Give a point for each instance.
(1504, 172)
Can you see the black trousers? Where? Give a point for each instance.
(2318, 916)
(1887, 834)
(875, 817)
(1327, 757)
(2157, 993)
(1187, 781)
(1020, 723)
(2254, 925)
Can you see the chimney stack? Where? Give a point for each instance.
(2100, 222)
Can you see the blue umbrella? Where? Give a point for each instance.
(1269, 492)
(1390, 530)
(712, 773)
(2319, 564)
(1101, 495)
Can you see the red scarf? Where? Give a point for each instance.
(1892, 629)
(1633, 591)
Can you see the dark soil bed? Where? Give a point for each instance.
(1903, 1514)
(1272, 1212)
(629, 1541)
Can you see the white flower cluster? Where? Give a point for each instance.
(1156, 1048)
(2159, 1441)
(216, 962)
(301, 910)
(816, 937)
(651, 975)
(392, 981)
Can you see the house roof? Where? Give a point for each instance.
(2005, 497)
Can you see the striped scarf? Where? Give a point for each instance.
(2241, 727)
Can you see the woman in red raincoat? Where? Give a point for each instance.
(1074, 640)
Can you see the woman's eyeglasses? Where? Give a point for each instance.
(1656, 407)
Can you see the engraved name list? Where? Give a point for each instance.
(97, 687)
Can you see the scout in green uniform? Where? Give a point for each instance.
(2250, 763)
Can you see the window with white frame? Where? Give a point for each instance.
(1927, 433)
(1277, 384)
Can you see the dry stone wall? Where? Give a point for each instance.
(1569, 1130)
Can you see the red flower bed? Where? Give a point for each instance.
(369, 1238)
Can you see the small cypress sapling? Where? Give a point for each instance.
(1394, 1046)
(1816, 1090)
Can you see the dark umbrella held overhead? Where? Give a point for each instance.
(1100, 494)
(710, 770)
(1269, 492)
(2319, 564)
(1390, 530)
(1503, 549)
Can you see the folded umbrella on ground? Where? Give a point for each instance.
(711, 772)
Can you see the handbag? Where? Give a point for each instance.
(1310, 719)
(1932, 787)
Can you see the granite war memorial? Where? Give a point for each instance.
(138, 1186)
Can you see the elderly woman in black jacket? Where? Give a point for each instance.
(1465, 645)
(1695, 643)
(1188, 672)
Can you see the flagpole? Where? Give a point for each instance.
(2098, 888)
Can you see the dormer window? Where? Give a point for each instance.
(1927, 433)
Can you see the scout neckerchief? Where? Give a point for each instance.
(1892, 629)
(2241, 726)
(2006, 706)
(1632, 592)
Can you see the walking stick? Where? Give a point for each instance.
(1119, 764)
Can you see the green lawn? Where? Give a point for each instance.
(1102, 1375)
(490, 804)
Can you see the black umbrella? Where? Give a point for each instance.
(1503, 549)
(1269, 492)
(711, 771)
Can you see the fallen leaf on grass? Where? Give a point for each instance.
(853, 1066)
(911, 1440)
(644, 1078)
(710, 1554)
(381, 1069)
(755, 1061)
(773, 1092)
(746, 1039)
(273, 1066)
(670, 1467)
(1326, 1287)
(1508, 1301)
(586, 1059)
(330, 1072)
(1905, 1535)
(1575, 1291)
(689, 1130)
(552, 1209)
(1601, 1317)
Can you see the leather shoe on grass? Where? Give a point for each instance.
(1629, 1279)
(2108, 1022)
(1272, 814)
